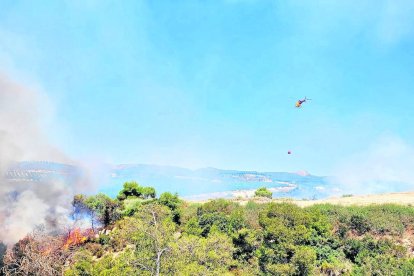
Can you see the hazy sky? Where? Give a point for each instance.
(213, 83)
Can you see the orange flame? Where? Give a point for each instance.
(75, 237)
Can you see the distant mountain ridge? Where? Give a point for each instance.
(207, 181)
(39, 171)
(138, 169)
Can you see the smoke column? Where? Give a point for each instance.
(23, 206)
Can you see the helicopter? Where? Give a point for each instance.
(299, 103)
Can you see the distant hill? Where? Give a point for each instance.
(43, 171)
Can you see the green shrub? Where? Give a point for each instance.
(103, 239)
(263, 192)
(174, 203)
(304, 260)
(359, 223)
(226, 216)
(192, 227)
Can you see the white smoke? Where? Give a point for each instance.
(385, 166)
(23, 206)
(23, 214)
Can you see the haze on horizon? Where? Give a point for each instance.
(213, 84)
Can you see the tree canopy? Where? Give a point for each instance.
(263, 192)
(139, 234)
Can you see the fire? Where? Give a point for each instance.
(75, 237)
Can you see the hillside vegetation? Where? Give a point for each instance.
(139, 233)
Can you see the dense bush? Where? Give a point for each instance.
(222, 237)
(383, 219)
(167, 236)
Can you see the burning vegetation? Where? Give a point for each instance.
(40, 253)
(37, 254)
(77, 237)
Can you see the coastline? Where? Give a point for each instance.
(237, 194)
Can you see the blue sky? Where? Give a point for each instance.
(213, 83)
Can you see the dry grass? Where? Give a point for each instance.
(405, 198)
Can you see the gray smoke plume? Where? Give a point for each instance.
(385, 166)
(25, 204)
